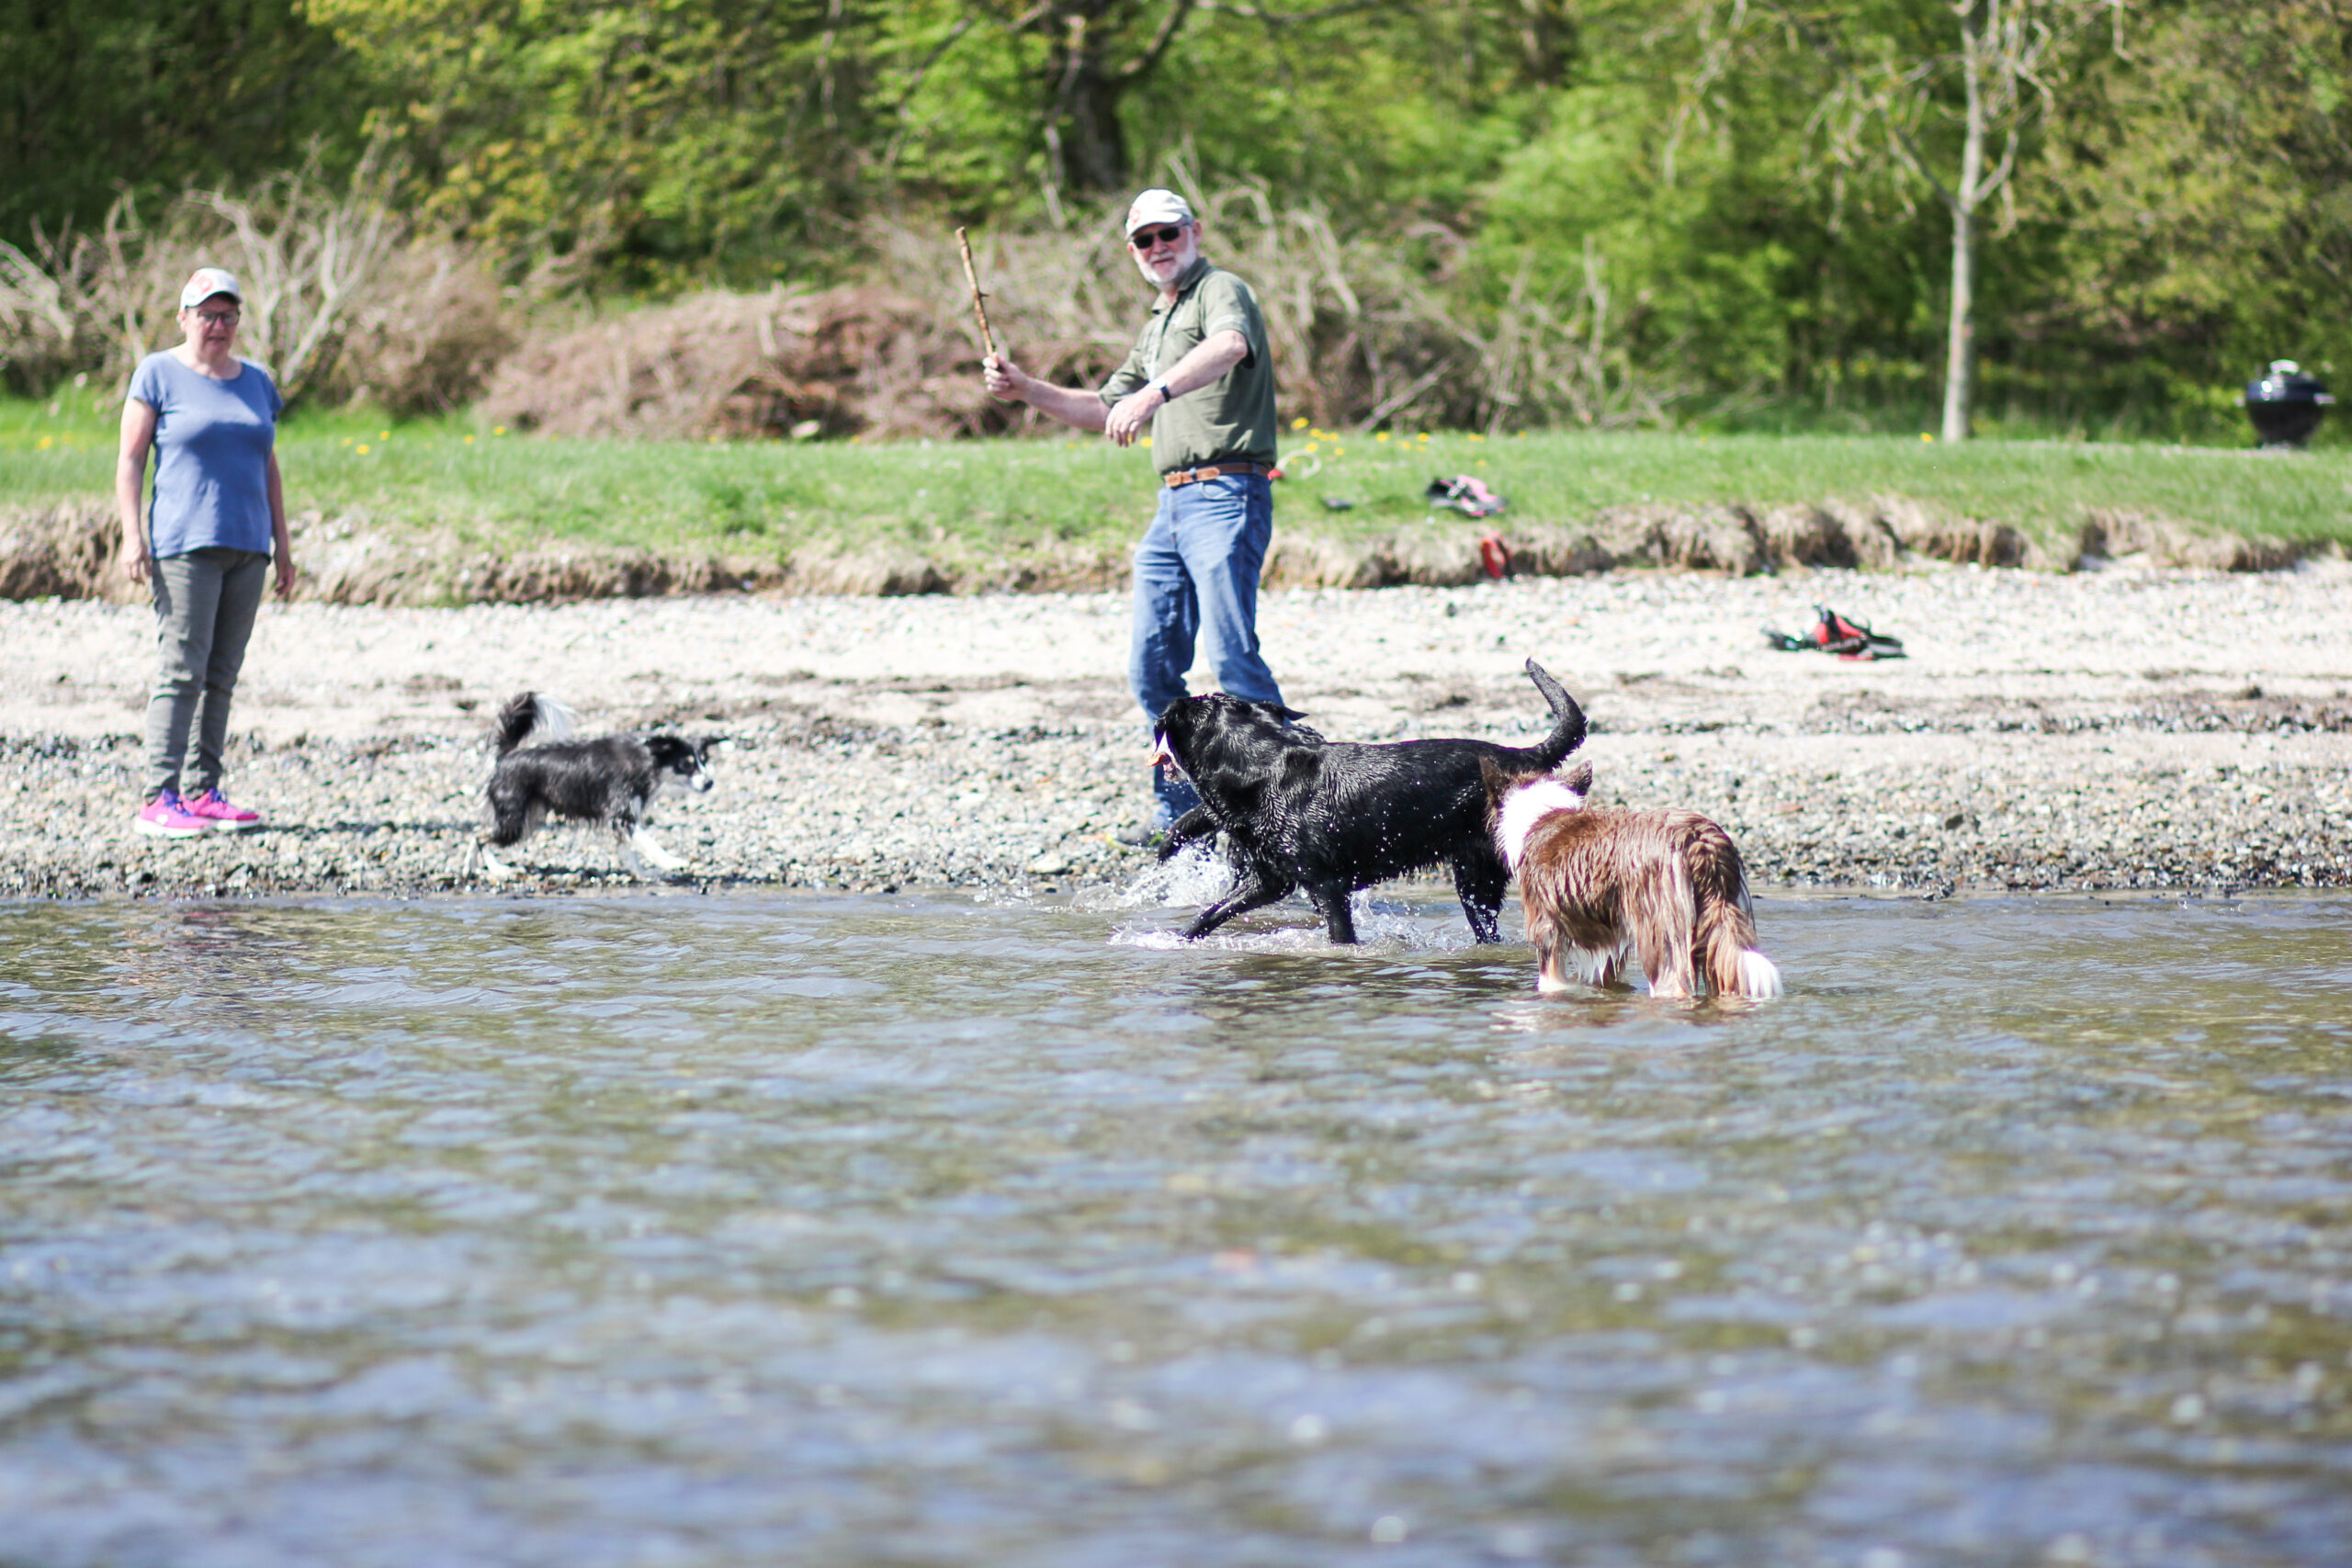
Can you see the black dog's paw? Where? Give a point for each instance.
(1189, 829)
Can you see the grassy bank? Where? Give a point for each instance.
(498, 491)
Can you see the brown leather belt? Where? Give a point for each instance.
(1222, 470)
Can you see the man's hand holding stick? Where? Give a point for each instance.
(1008, 382)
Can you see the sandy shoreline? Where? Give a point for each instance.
(2110, 730)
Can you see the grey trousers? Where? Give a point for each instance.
(205, 603)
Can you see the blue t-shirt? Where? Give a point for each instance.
(212, 446)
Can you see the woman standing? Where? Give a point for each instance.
(218, 516)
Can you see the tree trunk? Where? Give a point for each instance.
(1090, 143)
(1960, 357)
(1087, 144)
(1960, 354)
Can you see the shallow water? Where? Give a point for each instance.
(926, 1230)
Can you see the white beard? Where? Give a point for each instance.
(1173, 270)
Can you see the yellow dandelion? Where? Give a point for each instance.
(383, 435)
(1299, 423)
(469, 440)
(1476, 437)
(42, 444)
(363, 448)
(1382, 436)
(498, 430)
(1925, 436)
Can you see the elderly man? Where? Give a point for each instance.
(1202, 380)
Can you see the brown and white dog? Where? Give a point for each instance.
(1598, 884)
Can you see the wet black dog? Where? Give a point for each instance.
(1302, 812)
(611, 781)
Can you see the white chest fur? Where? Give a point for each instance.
(1523, 806)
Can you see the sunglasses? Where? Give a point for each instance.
(1144, 239)
(218, 318)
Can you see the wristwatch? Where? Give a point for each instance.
(1159, 384)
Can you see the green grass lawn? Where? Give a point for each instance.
(494, 489)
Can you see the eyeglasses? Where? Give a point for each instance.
(1144, 239)
(219, 318)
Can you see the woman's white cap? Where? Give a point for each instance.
(207, 281)
(1158, 206)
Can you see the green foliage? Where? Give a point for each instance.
(2201, 191)
(653, 141)
(1714, 197)
(158, 95)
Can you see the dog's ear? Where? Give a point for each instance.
(1289, 715)
(1498, 783)
(1578, 778)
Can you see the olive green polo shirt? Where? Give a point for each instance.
(1231, 419)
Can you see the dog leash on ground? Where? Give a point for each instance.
(1833, 633)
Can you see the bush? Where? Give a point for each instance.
(426, 335)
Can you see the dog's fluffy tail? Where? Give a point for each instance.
(527, 714)
(1727, 927)
(1568, 728)
(1759, 975)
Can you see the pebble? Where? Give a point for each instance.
(2121, 729)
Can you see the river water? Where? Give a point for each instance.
(946, 1230)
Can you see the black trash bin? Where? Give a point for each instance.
(2285, 404)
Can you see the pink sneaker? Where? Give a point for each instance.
(165, 818)
(213, 807)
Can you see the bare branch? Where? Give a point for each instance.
(1169, 24)
(1286, 18)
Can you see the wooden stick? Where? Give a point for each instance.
(973, 278)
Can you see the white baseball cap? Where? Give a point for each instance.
(1155, 206)
(207, 281)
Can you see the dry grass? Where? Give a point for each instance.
(341, 300)
(1368, 330)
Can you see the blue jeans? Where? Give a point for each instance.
(1197, 570)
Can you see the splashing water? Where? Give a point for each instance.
(1196, 877)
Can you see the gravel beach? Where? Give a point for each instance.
(2110, 729)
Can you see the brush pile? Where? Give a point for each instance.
(853, 361)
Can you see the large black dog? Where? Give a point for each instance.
(1299, 811)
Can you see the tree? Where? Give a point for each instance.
(651, 141)
(152, 96)
(1930, 87)
(1097, 50)
(2200, 187)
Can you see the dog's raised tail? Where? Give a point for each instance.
(1568, 725)
(530, 712)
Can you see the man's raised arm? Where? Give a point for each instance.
(1073, 406)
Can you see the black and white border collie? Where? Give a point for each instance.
(611, 780)
(1599, 884)
(1298, 811)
